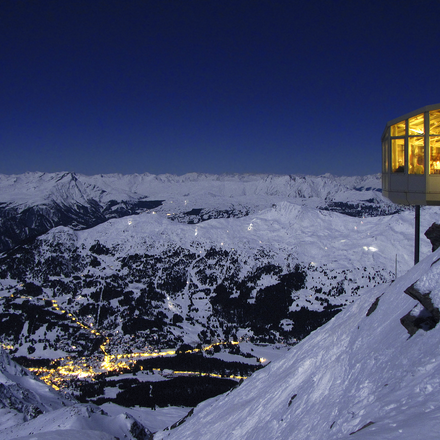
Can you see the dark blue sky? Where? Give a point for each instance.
(213, 86)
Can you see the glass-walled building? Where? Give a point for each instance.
(411, 158)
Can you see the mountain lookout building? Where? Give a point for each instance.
(411, 158)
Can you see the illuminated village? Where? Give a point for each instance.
(61, 370)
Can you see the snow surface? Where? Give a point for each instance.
(355, 252)
(155, 420)
(74, 422)
(68, 434)
(334, 248)
(356, 374)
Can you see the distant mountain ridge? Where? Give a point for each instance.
(232, 264)
(33, 203)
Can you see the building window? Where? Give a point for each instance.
(434, 146)
(416, 125)
(434, 122)
(398, 155)
(398, 129)
(416, 157)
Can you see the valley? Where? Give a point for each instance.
(80, 375)
(174, 304)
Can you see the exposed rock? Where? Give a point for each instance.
(16, 398)
(363, 427)
(373, 306)
(291, 399)
(24, 395)
(182, 420)
(137, 430)
(424, 316)
(433, 235)
(425, 300)
(418, 318)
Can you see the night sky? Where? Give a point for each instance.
(210, 86)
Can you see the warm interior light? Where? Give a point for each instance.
(417, 124)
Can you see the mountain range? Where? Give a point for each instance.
(144, 274)
(33, 203)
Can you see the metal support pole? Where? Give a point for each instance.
(417, 235)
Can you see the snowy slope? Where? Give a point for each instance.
(23, 397)
(86, 422)
(307, 232)
(359, 376)
(31, 409)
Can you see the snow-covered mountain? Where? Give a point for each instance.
(363, 375)
(203, 265)
(268, 258)
(113, 287)
(33, 203)
(272, 277)
(371, 372)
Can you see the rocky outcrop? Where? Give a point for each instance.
(418, 319)
(433, 235)
(14, 398)
(424, 315)
(425, 300)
